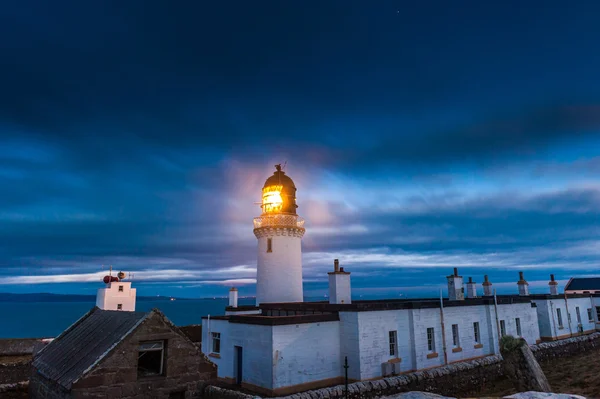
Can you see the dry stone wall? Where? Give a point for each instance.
(547, 351)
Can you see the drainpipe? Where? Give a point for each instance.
(443, 328)
(208, 334)
(593, 311)
(497, 321)
(568, 316)
(553, 321)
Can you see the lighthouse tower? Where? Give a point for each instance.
(279, 231)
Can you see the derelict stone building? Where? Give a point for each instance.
(117, 354)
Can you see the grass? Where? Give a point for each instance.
(578, 375)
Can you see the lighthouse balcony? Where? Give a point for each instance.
(279, 221)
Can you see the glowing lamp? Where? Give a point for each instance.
(272, 199)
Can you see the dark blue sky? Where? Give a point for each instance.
(421, 136)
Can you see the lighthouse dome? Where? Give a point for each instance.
(279, 194)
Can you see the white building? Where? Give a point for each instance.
(285, 345)
(117, 294)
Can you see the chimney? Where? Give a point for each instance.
(340, 291)
(553, 285)
(233, 297)
(523, 285)
(487, 286)
(471, 288)
(455, 287)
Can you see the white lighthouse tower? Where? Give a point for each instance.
(279, 231)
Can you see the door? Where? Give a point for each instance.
(238, 365)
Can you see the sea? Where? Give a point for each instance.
(48, 319)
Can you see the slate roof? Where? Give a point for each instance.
(581, 284)
(74, 352)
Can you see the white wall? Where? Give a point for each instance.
(306, 352)
(548, 319)
(373, 333)
(349, 343)
(423, 319)
(110, 297)
(339, 288)
(596, 303)
(257, 348)
(279, 272)
(545, 322)
(464, 317)
(530, 330)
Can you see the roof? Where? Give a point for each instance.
(74, 352)
(580, 284)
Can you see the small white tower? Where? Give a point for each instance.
(471, 288)
(553, 285)
(117, 294)
(233, 297)
(455, 287)
(523, 285)
(339, 285)
(279, 231)
(487, 286)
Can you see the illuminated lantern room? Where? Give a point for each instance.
(279, 194)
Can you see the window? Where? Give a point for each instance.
(393, 343)
(120, 288)
(578, 315)
(590, 315)
(598, 313)
(120, 306)
(476, 332)
(518, 323)
(502, 328)
(269, 245)
(559, 317)
(455, 339)
(151, 358)
(430, 340)
(216, 342)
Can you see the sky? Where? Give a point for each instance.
(422, 136)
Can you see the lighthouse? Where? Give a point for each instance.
(279, 232)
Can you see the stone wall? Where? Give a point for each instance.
(547, 351)
(21, 346)
(14, 391)
(455, 379)
(14, 372)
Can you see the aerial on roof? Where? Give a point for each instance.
(82, 345)
(583, 283)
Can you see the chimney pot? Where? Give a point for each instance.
(552, 277)
(342, 269)
(336, 265)
(470, 279)
(521, 276)
(485, 278)
(456, 271)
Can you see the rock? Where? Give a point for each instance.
(417, 395)
(521, 367)
(542, 395)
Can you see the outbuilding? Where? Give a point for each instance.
(120, 354)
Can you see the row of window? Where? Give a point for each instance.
(393, 336)
(590, 315)
(503, 327)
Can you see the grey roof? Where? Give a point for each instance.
(580, 284)
(74, 352)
